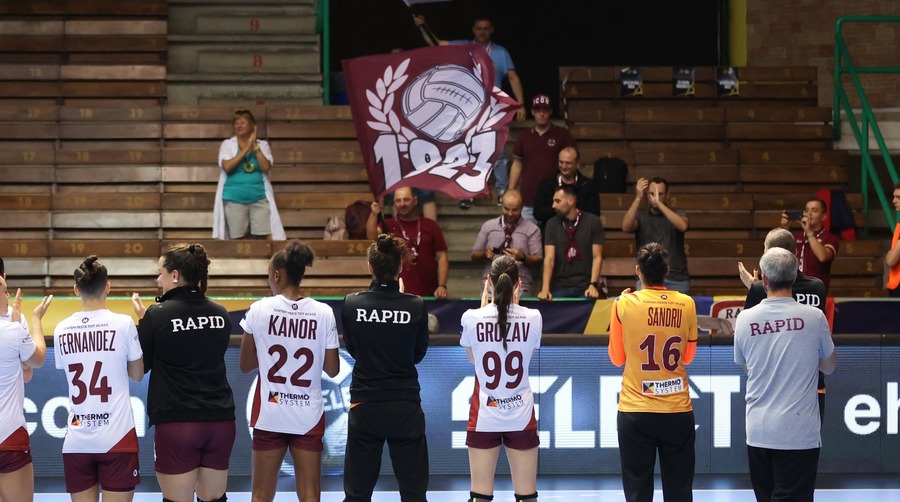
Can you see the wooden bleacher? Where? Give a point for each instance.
(70, 52)
(734, 164)
(123, 179)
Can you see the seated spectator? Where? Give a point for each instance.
(427, 274)
(568, 174)
(512, 235)
(816, 246)
(573, 250)
(245, 201)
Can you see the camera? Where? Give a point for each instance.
(794, 215)
(497, 250)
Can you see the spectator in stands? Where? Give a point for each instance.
(892, 259)
(655, 411)
(568, 174)
(245, 202)
(816, 246)
(482, 30)
(573, 250)
(536, 153)
(427, 274)
(806, 290)
(661, 224)
(509, 235)
(18, 347)
(782, 345)
(427, 201)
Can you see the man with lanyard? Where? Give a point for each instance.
(573, 250)
(588, 197)
(892, 259)
(661, 224)
(511, 235)
(482, 30)
(816, 246)
(427, 275)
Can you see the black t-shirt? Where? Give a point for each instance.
(184, 338)
(386, 332)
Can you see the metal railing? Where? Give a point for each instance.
(843, 65)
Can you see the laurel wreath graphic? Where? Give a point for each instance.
(381, 104)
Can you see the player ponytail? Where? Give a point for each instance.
(505, 277)
(191, 261)
(386, 254)
(91, 277)
(653, 260)
(294, 259)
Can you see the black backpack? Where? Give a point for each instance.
(610, 174)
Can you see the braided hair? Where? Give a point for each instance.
(505, 276)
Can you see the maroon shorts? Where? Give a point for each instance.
(115, 472)
(12, 461)
(311, 441)
(181, 447)
(518, 440)
(15, 452)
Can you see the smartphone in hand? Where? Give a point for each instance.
(794, 215)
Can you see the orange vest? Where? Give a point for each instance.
(894, 272)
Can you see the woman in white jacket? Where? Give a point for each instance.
(245, 202)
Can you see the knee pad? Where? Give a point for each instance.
(477, 497)
(223, 498)
(526, 498)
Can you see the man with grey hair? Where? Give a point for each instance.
(806, 290)
(782, 344)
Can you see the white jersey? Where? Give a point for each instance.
(8, 315)
(502, 400)
(291, 338)
(94, 349)
(16, 347)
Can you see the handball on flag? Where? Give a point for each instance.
(443, 102)
(429, 118)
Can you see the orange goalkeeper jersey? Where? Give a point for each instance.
(653, 332)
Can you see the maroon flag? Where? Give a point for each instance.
(429, 118)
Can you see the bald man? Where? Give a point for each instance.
(427, 275)
(512, 235)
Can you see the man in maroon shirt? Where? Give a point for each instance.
(536, 153)
(427, 274)
(816, 246)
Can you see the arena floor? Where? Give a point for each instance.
(707, 488)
